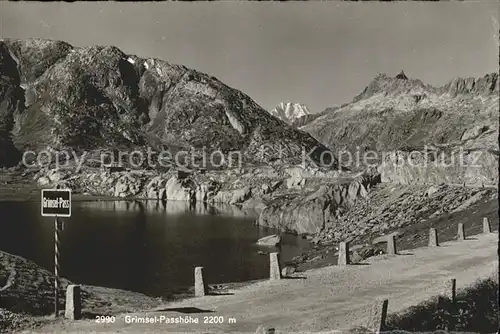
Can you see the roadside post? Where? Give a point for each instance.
(56, 203)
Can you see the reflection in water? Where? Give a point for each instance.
(145, 246)
(173, 207)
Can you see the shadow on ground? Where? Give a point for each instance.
(185, 310)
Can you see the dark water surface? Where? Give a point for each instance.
(145, 247)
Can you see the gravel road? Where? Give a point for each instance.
(325, 299)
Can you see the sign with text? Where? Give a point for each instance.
(56, 202)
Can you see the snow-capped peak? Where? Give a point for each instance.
(290, 111)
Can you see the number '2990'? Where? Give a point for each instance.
(101, 319)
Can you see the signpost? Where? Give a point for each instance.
(56, 203)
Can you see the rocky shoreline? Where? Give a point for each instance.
(267, 189)
(323, 206)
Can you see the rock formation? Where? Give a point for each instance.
(402, 76)
(11, 100)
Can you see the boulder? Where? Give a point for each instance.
(270, 240)
(43, 181)
(355, 257)
(287, 271)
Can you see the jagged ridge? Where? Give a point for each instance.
(392, 113)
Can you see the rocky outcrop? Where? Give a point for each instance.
(402, 76)
(11, 102)
(310, 211)
(270, 240)
(390, 207)
(98, 97)
(475, 168)
(230, 187)
(298, 176)
(484, 86)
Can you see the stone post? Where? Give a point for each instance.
(433, 238)
(486, 226)
(378, 315)
(461, 233)
(391, 245)
(274, 266)
(200, 288)
(73, 302)
(344, 258)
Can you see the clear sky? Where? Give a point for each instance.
(317, 53)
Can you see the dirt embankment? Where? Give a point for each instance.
(27, 296)
(408, 210)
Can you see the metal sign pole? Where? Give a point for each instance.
(56, 267)
(56, 203)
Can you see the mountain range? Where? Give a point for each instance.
(54, 94)
(98, 97)
(398, 112)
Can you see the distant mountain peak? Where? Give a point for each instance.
(288, 111)
(402, 75)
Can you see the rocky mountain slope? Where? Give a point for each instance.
(400, 113)
(10, 103)
(393, 112)
(57, 95)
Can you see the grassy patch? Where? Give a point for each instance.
(475, 310)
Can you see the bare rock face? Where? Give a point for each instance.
(11, 101)
(310, 212)
(452, 166)
(98, 97)
(403, 114)
(392, 113)
(34, 56)
(391, 207)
